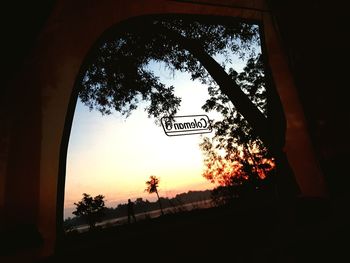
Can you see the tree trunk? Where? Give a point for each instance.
(160, 204)
(270, 130)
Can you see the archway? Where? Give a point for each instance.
(48, 80)
(109, 33)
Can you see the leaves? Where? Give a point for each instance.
(235, 156)
(118, 78)
(152, 187)
(90, 208)
(152, 184)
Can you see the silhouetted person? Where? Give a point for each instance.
(131, 211)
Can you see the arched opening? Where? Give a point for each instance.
(225, 57)
(45, 87)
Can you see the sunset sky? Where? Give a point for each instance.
(114, 156)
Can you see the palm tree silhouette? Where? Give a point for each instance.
(152, 187)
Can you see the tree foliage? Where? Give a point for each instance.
(118, 76)
(152, 187)
(91, 209)
(152, 184)
(234, 156)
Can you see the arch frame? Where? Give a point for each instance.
(54, 68)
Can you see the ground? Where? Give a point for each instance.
(306, 230)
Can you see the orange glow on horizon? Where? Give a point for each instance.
(222, 171)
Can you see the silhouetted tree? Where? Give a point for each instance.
(91, 209)
(235, 157)
(118, 76)
(152, 187)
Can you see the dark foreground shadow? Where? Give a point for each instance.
(305, 231)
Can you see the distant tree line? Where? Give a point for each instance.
(144, 206)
